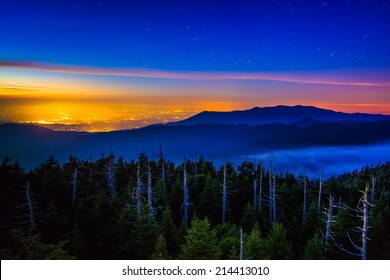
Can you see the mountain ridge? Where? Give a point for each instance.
(281, 113)
(32, 144)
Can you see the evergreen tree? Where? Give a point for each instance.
(160, 249)
(277, 245)
(200, 242)
(31, 248)
(314, 249)
(169, 230)
(254, 246)
(145, 234)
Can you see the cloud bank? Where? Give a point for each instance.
(328, 78)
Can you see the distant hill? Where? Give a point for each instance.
(300, 115)
(31, 145)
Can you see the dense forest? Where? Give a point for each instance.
(150, 208)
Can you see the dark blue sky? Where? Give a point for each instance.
(199, 35)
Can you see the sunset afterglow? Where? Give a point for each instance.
(107, 66)
(104, 101)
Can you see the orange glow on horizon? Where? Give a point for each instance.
(85, 102)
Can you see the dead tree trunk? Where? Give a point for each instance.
(74, 185)
(364, 229)
(241, 244)
(110, 175)
(373, 185)
(224, 194)
(195, 170)
(329, 235)
(90, 170)
(270, 199)
(320, 193)
(304, 198)
(362, 211)
(138, 191)
(150, 191)
(186, 195)
(161, 159)
(274, 198)
(255, 193)
(261, 186)
(30, 206)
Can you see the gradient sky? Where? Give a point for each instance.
(103, 65)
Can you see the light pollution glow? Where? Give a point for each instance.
(99, 99)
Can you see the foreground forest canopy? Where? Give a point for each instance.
(153, 209)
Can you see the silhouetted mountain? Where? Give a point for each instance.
(27, 143)
(279, 114)
(31, 145)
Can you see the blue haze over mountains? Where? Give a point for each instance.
(302, 138)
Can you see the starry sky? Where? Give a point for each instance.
(104, 65)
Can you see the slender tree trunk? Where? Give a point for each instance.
(224, 194)
(329, 221)
(241, 244)
(320, 193)
(195, 171)
(90, 170)
(366, 205)
(186, 195)
(30, 207)
(150, 191)
(362, 211)
(261, 186)
(138, 191)
(373, 185)
(274, 198)
(255, 194)
(110, 175)
(74, 188)
(304, 198)
(161, 159)
(270, 190)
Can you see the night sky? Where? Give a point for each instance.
(133, 63)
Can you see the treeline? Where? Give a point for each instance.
(153, 209)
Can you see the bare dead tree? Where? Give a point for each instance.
(186, 194)
(138, 193)
(90, 169)
(362, 212)
(320, 192)
(270, 199)
(74, 185)
(261, 185)
(195, 170)
(255, 189)
(150, 191)
(224, 193)
(274, 198)
(241, 244)
(304, 179)
(161, 159)
(373, 185)
(30, 206)
(329, 221)
(110, 175)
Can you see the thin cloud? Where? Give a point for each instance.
(204, 75)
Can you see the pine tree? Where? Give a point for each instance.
(160, 249)
(254, 246)
(169, 230)
(277, 245)
(145, 234)
(314, 249)
(200, 242)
